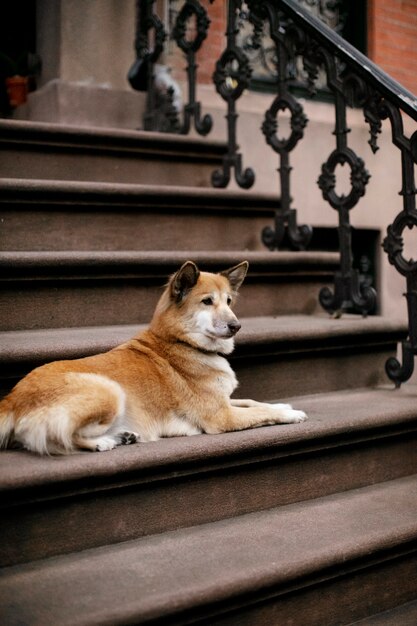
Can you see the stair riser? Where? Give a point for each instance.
(60, 303)
(117, 168)
(272, 377)
(132, 229)
(341, 599)
(69, 520)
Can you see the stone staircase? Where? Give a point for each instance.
(309, 524)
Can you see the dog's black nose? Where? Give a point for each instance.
(234, 327)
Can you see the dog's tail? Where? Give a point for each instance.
(6, 423)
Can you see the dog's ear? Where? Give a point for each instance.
(236, 275)
(184, 280)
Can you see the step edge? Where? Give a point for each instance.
(44, 133)
(165, 258)
(85, 188)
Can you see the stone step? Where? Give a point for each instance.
(351, 439)
(325, 561)
(59, 152)
(69, 289)
(294, 354)
(64, 215)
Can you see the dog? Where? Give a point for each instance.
(170, 380)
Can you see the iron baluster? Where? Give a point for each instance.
(348, 291)
(393, 243)
(231, 78)
(190, 47)
(285, 215)
(397, 372)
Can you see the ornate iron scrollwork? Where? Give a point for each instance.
(160, 112)
(359, 177)
(231, 78)
(393, 243)
(285, 215)
(373, 119)
(192, 9)
(349, 293)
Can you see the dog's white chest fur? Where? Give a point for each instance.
(224, 378)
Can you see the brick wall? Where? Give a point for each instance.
(392, 39)
(211, 49)
(215, 42)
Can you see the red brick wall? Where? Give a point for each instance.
(215, 42)
(392, 39)
(211, 48)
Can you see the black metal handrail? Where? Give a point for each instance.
(353, 80)
(367, 69)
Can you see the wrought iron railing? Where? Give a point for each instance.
(301, 40)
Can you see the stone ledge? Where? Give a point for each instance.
(63, 102)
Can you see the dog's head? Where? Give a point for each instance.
(196, 307)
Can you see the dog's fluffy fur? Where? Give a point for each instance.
(169, 380)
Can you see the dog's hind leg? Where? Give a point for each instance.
(98, 413)
(94, 438)
(56, 411)
(98, 438)
(105, 429)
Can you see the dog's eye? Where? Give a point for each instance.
(208, 301)
(229, 300)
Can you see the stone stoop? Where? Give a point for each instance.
(60, 152)
(315, 562)
(307, 524)
(153, 488)
(97, 216)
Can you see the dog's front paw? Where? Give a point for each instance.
(128, 437)
(293, 416)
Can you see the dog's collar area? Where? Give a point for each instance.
(191, 346)
(195, 347)
(202, 350)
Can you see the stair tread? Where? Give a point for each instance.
(62, 343)
(165, 259)
(335, 419)
(95, 136)
(164, 574)
(87, 190)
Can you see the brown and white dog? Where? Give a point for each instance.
(169, 380)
